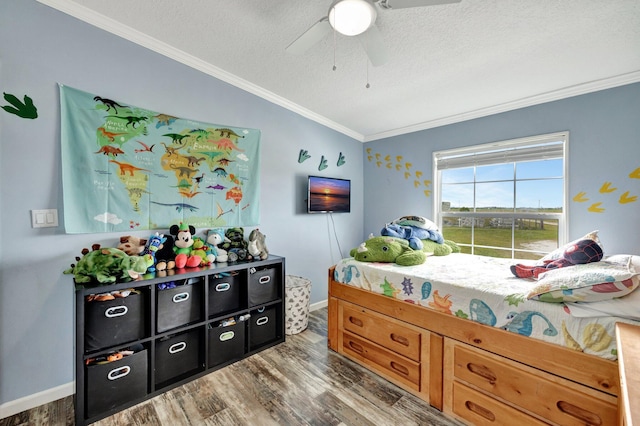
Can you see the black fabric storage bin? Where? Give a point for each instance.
(116, 383)
(263, 286)
(224, 294)
(263, 327)
(177, 354)
(180, 305)
(226, 343)
(113, 322)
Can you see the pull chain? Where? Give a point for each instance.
(367, 86)
(334, 49)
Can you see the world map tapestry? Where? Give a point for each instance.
(130, 168)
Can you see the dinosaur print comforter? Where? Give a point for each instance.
(483, 289)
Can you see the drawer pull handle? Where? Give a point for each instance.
(118, 373)
(579, 413)
(177, 347)
(400, 368)
(400, 339)
(227, 335)
(223, 287)
(262, 320)
(356, 347)
(356, 321)
(481, 411)
(181, 297)
(483, 372)
(264, 280)
(116, 311)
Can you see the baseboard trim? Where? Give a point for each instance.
(31, 401)
(319, 305)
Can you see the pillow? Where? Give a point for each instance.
(417, 221)
(591, 282)
(557, 253)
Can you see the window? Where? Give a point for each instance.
(504, 199)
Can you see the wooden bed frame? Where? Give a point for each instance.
(473, 372)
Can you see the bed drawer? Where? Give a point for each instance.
(382, 330)
(382, 360)
(480, 409)
(551, 397)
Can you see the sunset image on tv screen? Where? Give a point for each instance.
(329, 195)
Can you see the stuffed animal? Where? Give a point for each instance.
(153, 245)
(437, 249)
(236, 247)
(165, 256)
(107, 266)
(257, 246)
(131, 245)
(413, 234)
(429, 241)
(388, 250)
(182, 246)
(215, 237)
(423, 224)
(583, 251)
(200, 248)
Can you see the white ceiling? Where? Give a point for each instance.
(447, 63)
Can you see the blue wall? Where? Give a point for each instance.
(42, 47)
(604, 146)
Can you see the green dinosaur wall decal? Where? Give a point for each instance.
(303, 155)
(17, 107)
(323, 164)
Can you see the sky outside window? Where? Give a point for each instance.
(538, 185)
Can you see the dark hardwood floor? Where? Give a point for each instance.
(299, 382)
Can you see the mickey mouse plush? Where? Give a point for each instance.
(183, 246)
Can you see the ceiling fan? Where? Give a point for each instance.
(356, 18)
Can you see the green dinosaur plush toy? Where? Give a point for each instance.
(397, 250)
(388, 250)
(108, 266)
(447, 247)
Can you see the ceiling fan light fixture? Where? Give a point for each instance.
(352, 17)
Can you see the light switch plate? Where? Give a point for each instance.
(44, 218)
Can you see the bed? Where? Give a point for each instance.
(462, 333)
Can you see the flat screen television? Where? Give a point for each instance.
(328, 195)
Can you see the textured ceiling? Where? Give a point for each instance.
(447, 63)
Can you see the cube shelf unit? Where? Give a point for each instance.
(177, 334)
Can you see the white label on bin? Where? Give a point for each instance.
(223, 287)
(116, 311)
(264, 280)
(262, 321)
(118, 373)
(181, 297)
(177, 347)
(227, 335)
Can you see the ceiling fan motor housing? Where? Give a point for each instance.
(352, 17)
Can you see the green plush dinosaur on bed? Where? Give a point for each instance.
(397, 250)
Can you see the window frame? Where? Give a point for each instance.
(456, 157)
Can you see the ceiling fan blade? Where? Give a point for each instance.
(403, 4)
(310, 37)
(373, 44)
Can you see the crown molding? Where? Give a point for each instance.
(114, 27)
(110, 25)
(555, 95)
